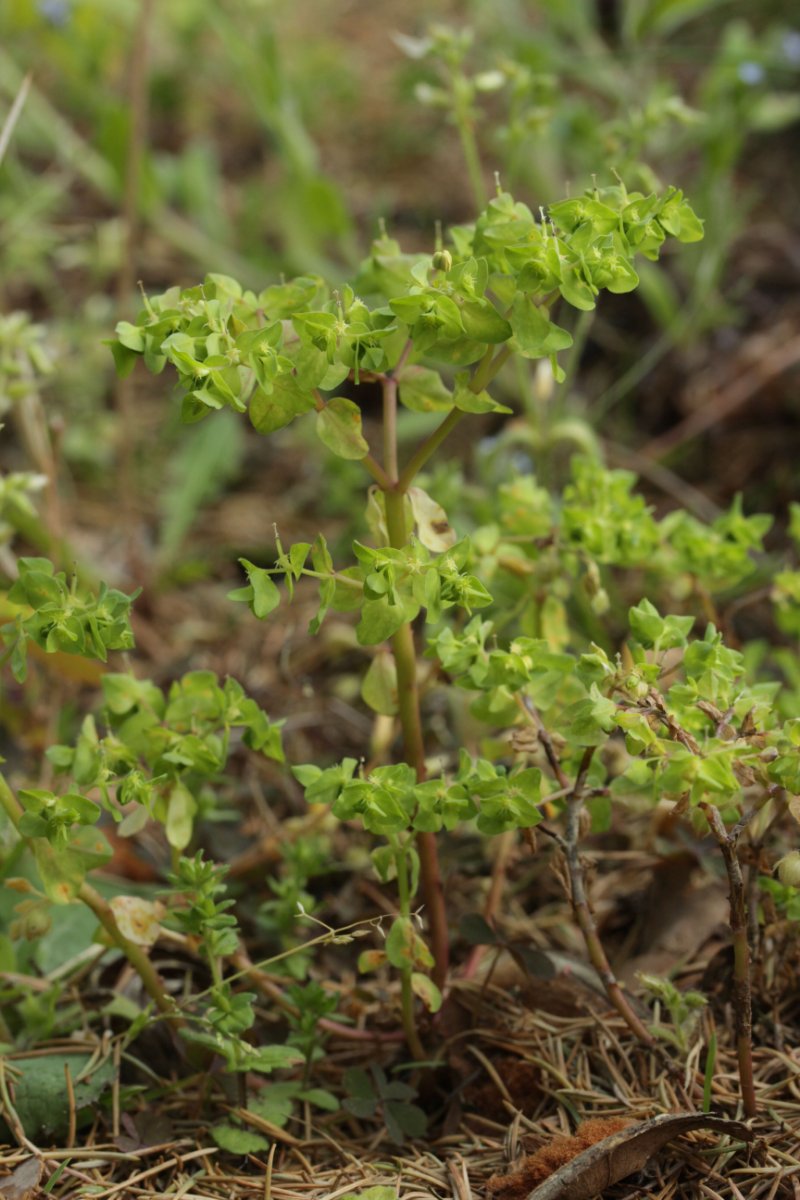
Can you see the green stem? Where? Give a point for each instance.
(403, 647)
(406, 989)
(485, 371)
(376, 471)
(469, 146)
(405, 658)
(390, 426)
(428, 448)
(135, 955)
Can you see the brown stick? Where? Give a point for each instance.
(742, 998)
(583, 914)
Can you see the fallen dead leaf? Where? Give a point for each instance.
(23, 1182)
(626, 1152)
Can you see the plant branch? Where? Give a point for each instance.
(406, 988)
(505, 850)
(485, 371)
(405, 657)
(135, 955)
(583, 914)
(531, 715)
(390, 427)
(248, 970)
(428, 449)
(742, 998)
(465, 125)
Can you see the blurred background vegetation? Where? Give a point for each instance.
(263, 138)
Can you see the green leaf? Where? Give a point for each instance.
(536, 336)
(467, 400)
(423, 390)
(124, 359)
(651, 629)
(62, 871)
(130, 336)
(339, 428)
(320, 1098)
(483, 323)
(361, 1099)
(380, 619)
(236, 1140)
(404, 947)
(400, 943)
(287, 400)
(476, 930)
(262, 594)
(379, 686)
(373, 1193)
(266, 1059)
(181, 809)
(403, 1119)
(41, 1098)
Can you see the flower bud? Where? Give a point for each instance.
(442, 260)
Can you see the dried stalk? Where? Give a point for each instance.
(583, 914)
(742, 998)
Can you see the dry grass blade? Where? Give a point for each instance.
(14, 114)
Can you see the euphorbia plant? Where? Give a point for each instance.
(434, 331)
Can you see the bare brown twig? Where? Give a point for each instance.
(742, 999)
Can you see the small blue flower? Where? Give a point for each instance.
(751, 73)
(521, 463)
(791, 47)
(57, 12)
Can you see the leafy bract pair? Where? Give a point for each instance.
(274, 353)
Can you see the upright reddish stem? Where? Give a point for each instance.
(405, 658)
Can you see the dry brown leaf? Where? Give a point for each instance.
(624, 1153)
(23, 1182)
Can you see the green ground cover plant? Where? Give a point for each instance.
(542, 656)
(513, 619)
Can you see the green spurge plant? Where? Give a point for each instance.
(518, 621)
(433, 331)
